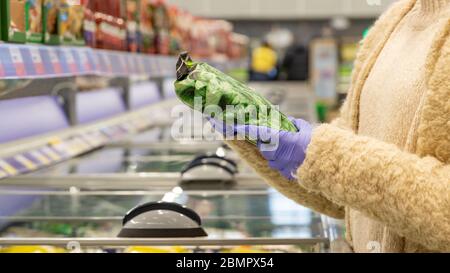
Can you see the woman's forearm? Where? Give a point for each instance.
(408, 193)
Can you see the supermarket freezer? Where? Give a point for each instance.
(261, 217)
(85, 199)
(148, 160)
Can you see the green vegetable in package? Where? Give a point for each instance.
(200, 80)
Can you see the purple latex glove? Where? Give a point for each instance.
(285, 151)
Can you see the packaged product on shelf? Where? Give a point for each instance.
(32, 249)
(132, 22)
(13, 21)
(71, 20)
(222, 37)
(150, 249)
(50, 22)
(162, 42)
(176, 39)
(160, 15)
(161, 24)
(200, 45)
(238, 48)
(176, 45)
(111, 32)
(147, 32)
(34, 21)
(184, 21)
(111, 28)
(90, 28)
(115, 9)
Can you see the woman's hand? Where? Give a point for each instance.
(285, 151)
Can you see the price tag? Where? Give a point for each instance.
(37, 60)
(50, 153)
(17, 59)
(70, 60)
(88, 139)
(97, 62)
(107, 61)
(56, 143)
(168, 66)
(141, 67)
(94, 139)
(69, 56)
(124, 64)
(2, 69)
(8, 168)
(125, 127)
(39, 157)
(155, 67)
(139, 125)
(84, 60)
(54, 60)
(92, 60)
(69, 147)
(82, 144)
(75, 147)
(107, 132)
(120, 130)
(26, 162)
(130, 65)
(114, 132)
(102, 137)
(143, 124)
(140, 122)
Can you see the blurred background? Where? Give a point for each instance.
(298, 40)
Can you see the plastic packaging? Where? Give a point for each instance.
(218, 89)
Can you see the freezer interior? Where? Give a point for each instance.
(98, 215)
(84, 200)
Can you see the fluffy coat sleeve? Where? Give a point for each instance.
(408, 193)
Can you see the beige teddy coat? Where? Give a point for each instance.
(406, 191)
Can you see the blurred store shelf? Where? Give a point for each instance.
(34, 62)
(30, 154)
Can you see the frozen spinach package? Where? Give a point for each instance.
(200, 80)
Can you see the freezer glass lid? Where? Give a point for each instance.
(97, 214)
(171, 134)
(119, 160)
